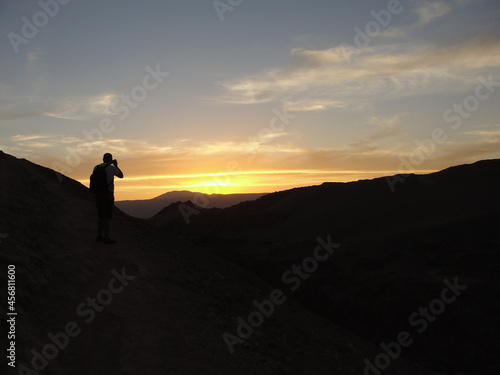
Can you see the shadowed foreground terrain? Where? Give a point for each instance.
(153, 304)
(399, 252)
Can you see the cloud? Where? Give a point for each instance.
(384, 128)
(429, 11)
(390, 71)
(318, 57)
(466, 151)
(8, 116)
(29, 144)
(397, 64)
(485, 133)
(309, 105)
(34, 56)
(79, 108)
(30, 137)
(16, 107)
(153, 167)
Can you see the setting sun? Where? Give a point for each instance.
(358, 98)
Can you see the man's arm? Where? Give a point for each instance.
(118, 173)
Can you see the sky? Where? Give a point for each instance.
(238, 96)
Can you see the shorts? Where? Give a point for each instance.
(105, 203)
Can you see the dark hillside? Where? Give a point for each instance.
(152, 304)
(398, 248)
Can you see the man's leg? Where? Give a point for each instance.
(103, 228)
(108, 213)
(99, 228)
(98, 204)
(102, 222)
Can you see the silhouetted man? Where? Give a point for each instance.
(105, 199)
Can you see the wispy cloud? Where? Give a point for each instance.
(79, 108)
(384, 128)
(309, 105)
(313, 75)
(429, 11)
(185, 164)
(70, 108)
(485, 133)
(34, 55)
(31, 137)
(396, 64)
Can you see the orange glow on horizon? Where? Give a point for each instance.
(150, 186)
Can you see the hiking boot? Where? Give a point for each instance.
(109, 241)
(99, 238)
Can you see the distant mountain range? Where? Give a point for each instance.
(146, 208)
(362, 209)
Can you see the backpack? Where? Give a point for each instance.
(98, 179)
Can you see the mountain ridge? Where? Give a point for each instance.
(397, 247)
(147, 208)
(176, 303)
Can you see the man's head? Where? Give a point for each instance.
(107, 158)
